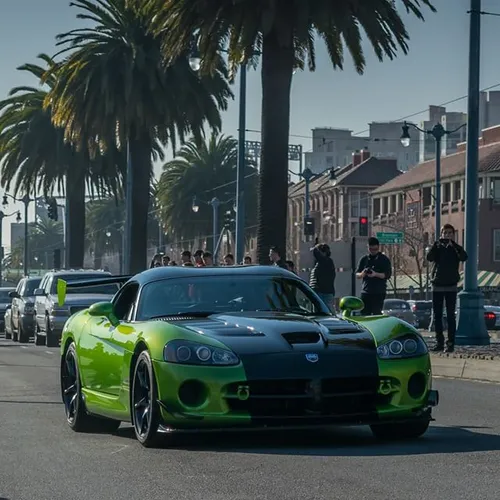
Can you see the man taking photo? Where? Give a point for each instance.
(374, 269)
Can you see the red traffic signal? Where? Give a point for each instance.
(363, 220)
(363, 226)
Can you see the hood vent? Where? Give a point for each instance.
(302, 337)
(167, 319)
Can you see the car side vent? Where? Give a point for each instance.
(345, 329)
(302, 337)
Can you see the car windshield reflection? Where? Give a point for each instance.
(218, 294)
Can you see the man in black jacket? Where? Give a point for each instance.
(322, 279)
(446, 256)
(374, 269)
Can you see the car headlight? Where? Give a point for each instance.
(405, 346)
(191, 353)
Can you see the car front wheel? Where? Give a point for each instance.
(412, 429)
(144, 406)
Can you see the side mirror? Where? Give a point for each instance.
(39, 292)
(350, 304)
(104, 309)
(13, 295)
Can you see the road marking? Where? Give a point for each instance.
(24, 347)
(49, 352)
(120, 449)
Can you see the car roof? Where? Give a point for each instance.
(79, 271)
(169, 272)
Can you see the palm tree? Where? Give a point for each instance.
(35, 156)
(203, 169)
(114, 85)
(285, 33)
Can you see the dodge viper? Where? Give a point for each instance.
(200, 349)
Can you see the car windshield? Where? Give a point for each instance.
(396, 304)
(109, 289)
(30, 287)
(227, 293)
(4, 295)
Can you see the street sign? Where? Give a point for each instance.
(390, 238)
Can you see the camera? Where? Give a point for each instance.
(368, 270)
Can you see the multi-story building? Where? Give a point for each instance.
(333, 147)
(337, 205)
(407, 204)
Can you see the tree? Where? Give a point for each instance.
(202, 169)
(409, 258)
(35, 156)
(115, 85)
(285, 33)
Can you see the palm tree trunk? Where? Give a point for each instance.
(75, 220)
(277, 71)
(140, 152)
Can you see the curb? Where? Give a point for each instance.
(466, 368)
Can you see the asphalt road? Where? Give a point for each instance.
(42, 459)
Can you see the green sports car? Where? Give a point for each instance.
(185, 349)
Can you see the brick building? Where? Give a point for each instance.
(337, 206)
(406, 203)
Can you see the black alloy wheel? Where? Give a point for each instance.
(145, 410)
(74, 407)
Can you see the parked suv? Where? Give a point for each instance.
(5, 302)
(23, 309)
(50, 317)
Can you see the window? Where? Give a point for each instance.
(376, 207)
(426, 197)
(354, 202)
(225, 293)
(457, 195)
(399, 305)
(496, 189)
(496, 245)
(364, 201)
(446, 192)
(29, 287)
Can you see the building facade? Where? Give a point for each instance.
(407, 204)
(337, 205)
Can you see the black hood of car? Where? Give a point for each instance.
(252, 333)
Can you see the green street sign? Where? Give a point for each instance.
(390, 238)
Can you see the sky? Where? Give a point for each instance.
(434, 71)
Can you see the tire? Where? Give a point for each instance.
(50, 339)
(15, 335)
(394, 432)
(39, 339)
(74, 407)
(145, 412)
(24, 338)
(8, 336)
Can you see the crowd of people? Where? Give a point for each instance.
(374, 269)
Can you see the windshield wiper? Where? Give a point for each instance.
(194, 314)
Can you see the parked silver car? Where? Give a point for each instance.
(23, 309)
(51, 317)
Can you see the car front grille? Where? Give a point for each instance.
(329, 398)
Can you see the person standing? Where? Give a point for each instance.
(322, 279)
(446, 256)
(275, 257)
(374, 269)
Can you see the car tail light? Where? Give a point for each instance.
(414, 307)
(489, 315)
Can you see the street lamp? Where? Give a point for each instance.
(471, 325)
(427, 250)
(26, 201)
(308, 175)
(438, 132)
(215, 204)
(2, 217)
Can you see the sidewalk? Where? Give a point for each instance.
(480, 363)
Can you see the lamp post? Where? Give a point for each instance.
(215, 203)
(26, 201)
(2, 217)
(195, 63)
(427, 250)
(438, 132)
(308, 175)
(471, 325)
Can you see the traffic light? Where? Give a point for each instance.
(52, 208)
(309, 226)
(57, 258)
(363, 226)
